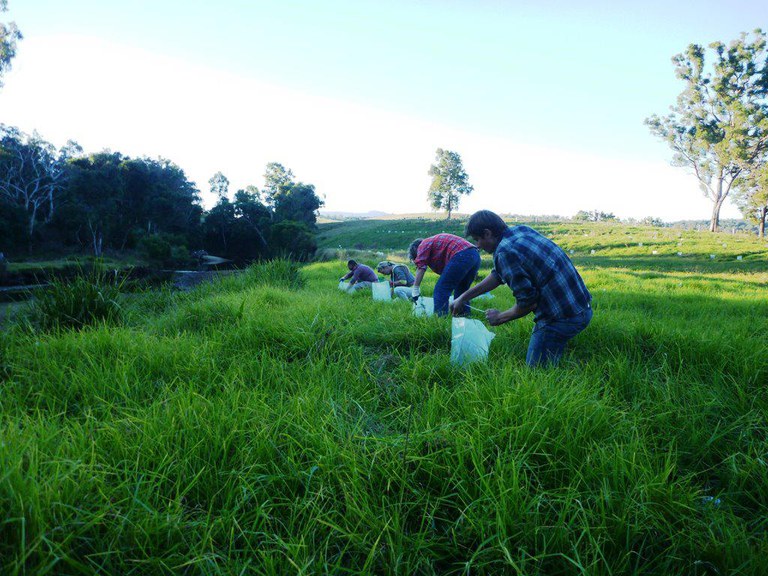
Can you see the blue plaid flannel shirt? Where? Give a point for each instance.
(538, 271)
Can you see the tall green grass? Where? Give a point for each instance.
(270, 424)
(92, 296)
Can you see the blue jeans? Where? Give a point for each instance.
(457, 277)
(550, 337)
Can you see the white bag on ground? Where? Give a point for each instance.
(343, 286)
(424, 306)
(403, 292)
(470, 340)
(381, 291)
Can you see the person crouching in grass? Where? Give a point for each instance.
(362, 276)
(454, 259)
(400, 278)
(542, 279)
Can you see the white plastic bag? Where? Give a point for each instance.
(381, 291)
(424, 306)
(470, 341)
(344, 286)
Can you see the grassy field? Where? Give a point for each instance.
(270, 424)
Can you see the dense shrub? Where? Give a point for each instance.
(155, 249)
(87, 299)
(293, 240)
(278, 273)
(165, 250)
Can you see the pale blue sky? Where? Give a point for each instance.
(567, 83)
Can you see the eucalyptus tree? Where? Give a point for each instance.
(752, 197)
(719, 126)
(299, 203)
(9, 35)
(95, 190)
(219, 185)
(32, 173)
(277, 180)
(449, 181)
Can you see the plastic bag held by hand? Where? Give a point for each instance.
(381, 291)
(424, 306)
(470, 341)
(343, 286)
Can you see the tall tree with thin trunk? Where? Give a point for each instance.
(32, 173)
(277, 180)
(752, 197)
(718, 128)
(219, 185)
(449, 182)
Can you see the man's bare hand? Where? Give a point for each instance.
(457, 306)
(494, 317)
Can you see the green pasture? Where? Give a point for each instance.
(647, 246)
(271, 424)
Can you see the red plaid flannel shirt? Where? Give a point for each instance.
(437, 250)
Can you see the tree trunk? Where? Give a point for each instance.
(714, 222)
(97, 238)
(97, 244)
(761, 224)
(32, 219)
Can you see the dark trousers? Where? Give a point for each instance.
(549, 338)
(456, 278)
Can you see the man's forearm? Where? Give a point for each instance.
(419, 276)
(486, 285)
(516, 312)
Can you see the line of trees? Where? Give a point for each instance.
(52, 200)
(719, 125)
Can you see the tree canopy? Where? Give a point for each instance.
(9, 35)
(277, 179)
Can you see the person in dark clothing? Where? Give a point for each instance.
(542, 278)
(362, 276)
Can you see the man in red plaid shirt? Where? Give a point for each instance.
(456, 260)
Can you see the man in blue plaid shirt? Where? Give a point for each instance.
(542, 278)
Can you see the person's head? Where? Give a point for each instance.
(385, 267)
(486, 229)
(413, 249)
(351, 264)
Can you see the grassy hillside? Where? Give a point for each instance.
(611, 242)
(271, 424)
